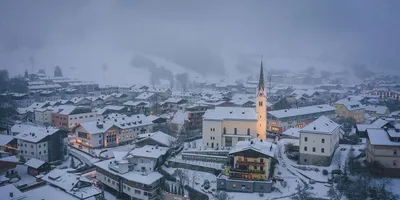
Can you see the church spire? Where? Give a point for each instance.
(261, 80)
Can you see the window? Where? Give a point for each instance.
(137, 192)
(44, 151)
(99, 141)
(124, 187)
(39, 145)
(44, 145)
(26, 152)
(322, 150)
(394, 152)
(113, 182)
(234, 185)
(262, 168)
(32, 153)
(313, 149)
(235, 131)
(255, 167)
(129, 188)
(108, 180)
(261, 187)
(248, 131)
(40, 153)
(305, 139)
(25, 145)
(305, 148)
(394, 163)
(31, 145)
(224, 130)
(99, 135)
(322, 140)
(146, 194)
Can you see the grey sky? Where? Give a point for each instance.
(206, 36)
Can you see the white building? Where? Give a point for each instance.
(133, 173)
(47, 144)
(112, 131)
(43, 116)
(225, 126)
(318, 141)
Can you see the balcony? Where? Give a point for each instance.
(246, 171)
(252, 163)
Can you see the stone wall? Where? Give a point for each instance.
(307, 159)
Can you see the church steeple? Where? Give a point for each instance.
(261, 80)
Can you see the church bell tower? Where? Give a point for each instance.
(261, 107)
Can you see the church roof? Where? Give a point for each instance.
(261, 80)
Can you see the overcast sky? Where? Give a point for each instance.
(210, 37)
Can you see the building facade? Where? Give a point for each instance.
(249, 169)
(383, 149)
(282, 120)
(319, 141)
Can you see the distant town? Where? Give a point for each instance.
(295, 136)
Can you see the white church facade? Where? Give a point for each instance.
(225, 126)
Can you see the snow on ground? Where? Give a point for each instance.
(197, 145)
(25, 177)
(179, 159)
(109, 151)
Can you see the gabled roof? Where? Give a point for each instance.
(158, 136)
(261, 146)
(292, 132)
(350, 104)
(322, 125)
(5, 139)
(34, 134)
(378, 136)
(145, 95)
(230, 113)
(148, 151)
(34, 163)
(301, 111)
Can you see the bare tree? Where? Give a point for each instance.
(182, 176)
(303, 193)
(222, 195)
(194, 176)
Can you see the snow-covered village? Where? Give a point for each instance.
(158, 126)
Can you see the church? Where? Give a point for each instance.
(226, 126)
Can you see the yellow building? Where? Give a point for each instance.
(350, 108)
(251, 160)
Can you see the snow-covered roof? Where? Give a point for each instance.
(180, 117)
(379, 123)
(12, 159)
(47, 192)
(34, 163)
(322, 125)
(158, 136)
(172, 100)
(65, 109)
(7, 189)
(262, 146)
(95, 127)
(145, 95)
(5, 139)
(350, 103)
(378, 136)
(33, 133)
(292, 132)
(301, 111)
(146, 178)
(230, 113)
(69, 182)
(377, 109)
(136, 103)
(148, 151)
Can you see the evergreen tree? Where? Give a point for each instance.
(57, 72)
(72, 163)
(175, 190)
(26, 74)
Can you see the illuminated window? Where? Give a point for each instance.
(234, 185)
